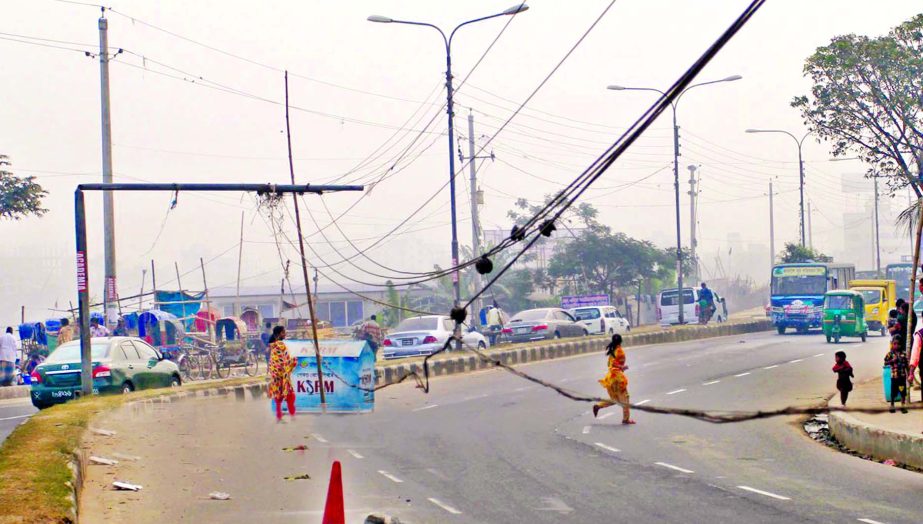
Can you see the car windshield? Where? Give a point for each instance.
(530, 315)
(871, 296)
(418, 324)
(71, 352)
(838, 302)
(671, 297)
(587, 313)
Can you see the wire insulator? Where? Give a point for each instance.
(484, 265)
(548, 227)
(458, 314)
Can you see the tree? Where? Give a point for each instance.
(794, 253)
(866, 99)
(391, 316)
(19, 197)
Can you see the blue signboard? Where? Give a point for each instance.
(584, 301)
(349, 376)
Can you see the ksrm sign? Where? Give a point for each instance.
(584, 301)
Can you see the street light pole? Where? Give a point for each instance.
(799, 143)
(450, 111)
(679, 239)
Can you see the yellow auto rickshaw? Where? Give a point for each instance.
(879, 297)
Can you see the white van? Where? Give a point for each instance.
(601, 319)
(668, 306)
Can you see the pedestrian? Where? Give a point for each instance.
(844, 373)
(897, 359)
(914, 362)
(7, 357)
(615, 382)
(494, 323)
(370, 332)
(97, 329)
(121, 330)
(281, 365)
(66, 333)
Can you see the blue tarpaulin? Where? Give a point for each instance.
(169, 301)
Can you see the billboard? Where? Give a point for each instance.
(571, 302)
(349, 376)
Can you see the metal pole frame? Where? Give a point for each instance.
(80, 221)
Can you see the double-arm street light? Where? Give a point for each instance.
(516, 9)
(679, 244)
(800, 169)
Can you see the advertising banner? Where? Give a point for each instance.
(349, 376)
(571, 302)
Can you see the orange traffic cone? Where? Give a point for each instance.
(334, 510)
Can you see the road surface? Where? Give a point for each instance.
(490, 447)
(12, 413)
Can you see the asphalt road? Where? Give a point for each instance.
(491, 447)
(12, 413)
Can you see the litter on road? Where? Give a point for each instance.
(103, 461)
(219, 495)
(126, 486)
(103, 432)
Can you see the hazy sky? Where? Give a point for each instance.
(184, 112)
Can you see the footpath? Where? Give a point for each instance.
(883, 436)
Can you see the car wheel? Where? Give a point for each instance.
(127, 388)
(175, 381)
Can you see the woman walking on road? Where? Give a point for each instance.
(281, 365)
(615, 382)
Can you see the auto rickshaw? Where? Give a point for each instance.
(844, 315)
(878, 295)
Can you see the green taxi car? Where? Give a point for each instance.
(120, 364)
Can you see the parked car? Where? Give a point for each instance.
(602, 319)
(120, 364)
(668, 306)
(424, 335)
(543, 324)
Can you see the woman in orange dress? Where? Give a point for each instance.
(281, 365)
(615, 382)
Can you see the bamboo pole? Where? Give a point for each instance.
(208, 304)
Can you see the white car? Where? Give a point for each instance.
(602, 319)
(420, 336)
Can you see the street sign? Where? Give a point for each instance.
(584, 301)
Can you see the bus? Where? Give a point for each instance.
(797, 293)
(900, 273)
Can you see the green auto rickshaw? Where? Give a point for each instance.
(844, 315)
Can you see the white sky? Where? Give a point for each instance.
(167, 129)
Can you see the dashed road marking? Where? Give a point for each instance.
(608, 448)
(521, 389)
(16, 417)
(797, 360)
(319, 438)
(675, 468)
(444, 506)
(742, 374)
(605, 415)
(586, 429)
(818, 355)
(710, 383)
(354, 454)
(675, 391)
(476, 397)
(764, 493)
(771, 367)
(430, 406)
(390, 476)
(870, 521)
(643, 402)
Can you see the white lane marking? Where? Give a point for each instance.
(431, 406)
(16, 417)
(390, 476)
(521, 389)
(643, 402)
(797, 360)
(676, 391)
(476, 397)
(818, 355)
(742, 374)
(605, 415)
(764, 493)
(586, 430)
(676, 468)
(553, 504)
(608, 448)
(354, 454)
(319, 438)
(710, 383)
(870, 521)
(444, 506)
(771, 367)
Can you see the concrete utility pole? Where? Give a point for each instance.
(693, 194)
(877, 237)
(772, 229)
(810, 229)
(110, 292)
(476, 199)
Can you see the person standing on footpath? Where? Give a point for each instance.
(897, 359)
(7, 357)
(494, 323)
(615, 382)
(66, 333)
(370, 332)
(281, 365)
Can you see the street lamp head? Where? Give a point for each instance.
(516, 9)
(731, 78)
(380, 19)
(617, 88)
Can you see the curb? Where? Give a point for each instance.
(391, 373)
(9, 392)
(882, 444)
